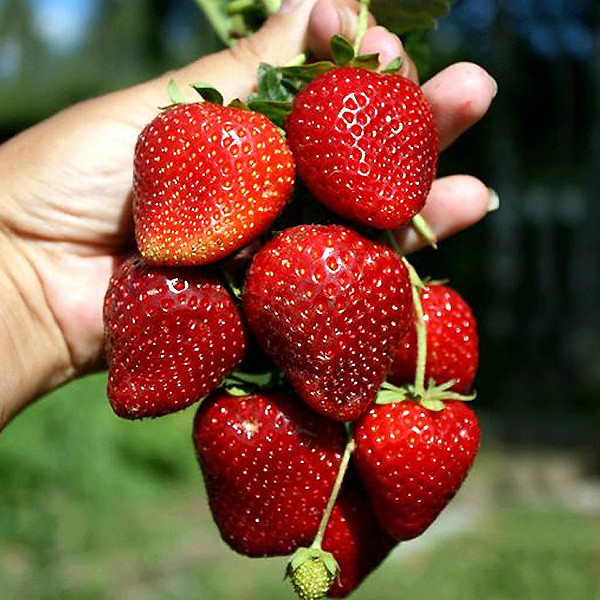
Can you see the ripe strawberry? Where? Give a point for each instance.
(330, 308)
(365, 145)
(413, 460)
(269, 465)
(452, 341)
(172, 335)
(207, 180)
(354, 538)
(353, 545)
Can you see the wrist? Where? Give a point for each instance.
(33, 353)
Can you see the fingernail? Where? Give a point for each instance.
(289, 5)
(495, 84)
(493, 200)
(348, 21)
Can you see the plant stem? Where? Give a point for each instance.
(363, 20)
(238, 6)
(334, 492)
(218, 19)
(297, 61)
(416, 285)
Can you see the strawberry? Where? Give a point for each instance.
(353, 545)
(269, 465)
(172, 335)
(354, 538)
(452, 341)
(330, 307)
(365, 145)
(208, 179)
(413, 460)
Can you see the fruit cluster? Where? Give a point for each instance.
(332, 423)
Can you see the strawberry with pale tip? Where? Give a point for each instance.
(208, 179)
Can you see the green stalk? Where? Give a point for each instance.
(316, 544)
(218, 19)
(363, 20)
(416, 285)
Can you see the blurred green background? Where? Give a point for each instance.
(95, 507)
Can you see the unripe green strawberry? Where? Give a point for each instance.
(312, 572)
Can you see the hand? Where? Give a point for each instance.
(65, 211)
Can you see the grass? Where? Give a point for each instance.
(93, 507)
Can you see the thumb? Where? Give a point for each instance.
(233, 71)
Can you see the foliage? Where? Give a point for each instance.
(95, 507)
(232, 19)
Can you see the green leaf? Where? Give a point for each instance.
(175, 93)
(274, 110)
(403, 16)
(393, 66)
(306, 73)
(216, 13)
(389, 397)
(270, 86)
(341, 50)
(208, 93)
(370, 62)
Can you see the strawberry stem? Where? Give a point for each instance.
(298, 60)
(234, 289)
(361, 28)
(316, 544)
(416, 285)
(423, 228)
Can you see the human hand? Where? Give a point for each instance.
(65, 215)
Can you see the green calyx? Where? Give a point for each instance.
(240, 383)
(432, 397)
(311, 572)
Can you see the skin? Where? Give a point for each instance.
(65, 204)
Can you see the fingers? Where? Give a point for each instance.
(298, 26)
(454, 203)
(378, 40)
(459, 96)
(329, 18)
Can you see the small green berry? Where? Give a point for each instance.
(312, 571)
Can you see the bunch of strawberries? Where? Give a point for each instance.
(333, 380)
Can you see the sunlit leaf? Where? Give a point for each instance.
(403, 16)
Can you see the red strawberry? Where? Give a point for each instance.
(353, 545)
(330, 308)
(365, 145)
(207, 180)
(452, 341)
(354, 538)
(172, 335)
(413, 460)
(269, 465)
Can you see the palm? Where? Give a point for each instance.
(76, 231)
